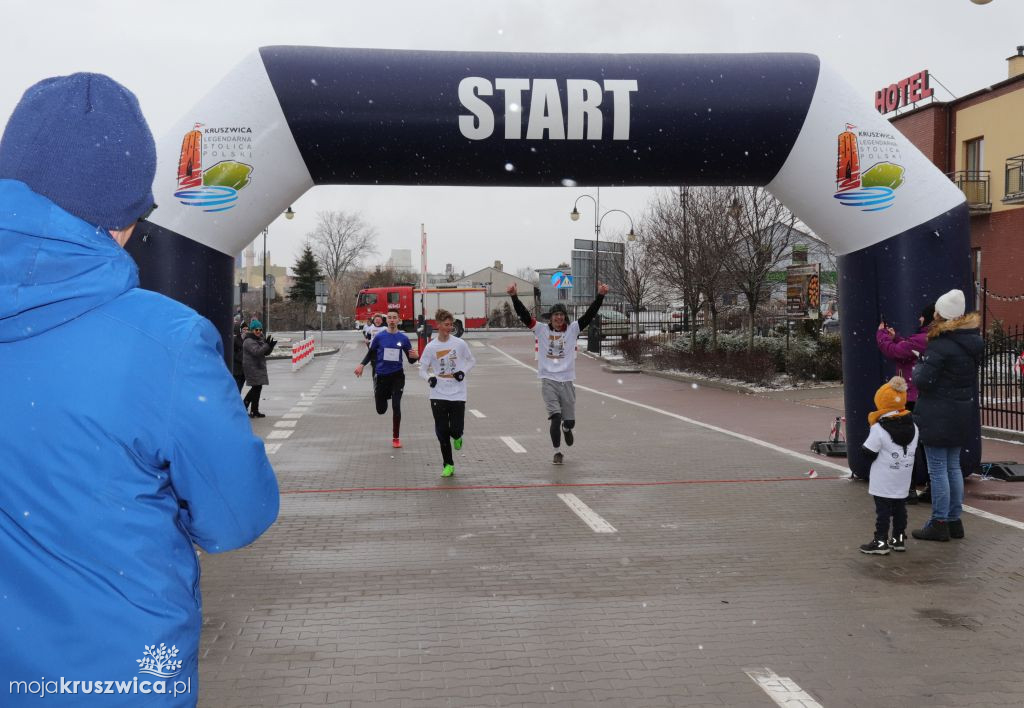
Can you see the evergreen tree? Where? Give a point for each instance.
(303, 290)
(307, 272)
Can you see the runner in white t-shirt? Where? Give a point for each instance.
(370, 330)
(444, 363)
(556, 362)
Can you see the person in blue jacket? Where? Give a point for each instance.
(124, 441)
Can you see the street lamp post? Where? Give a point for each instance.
(593, 342)
(288, 214)
(265, 303)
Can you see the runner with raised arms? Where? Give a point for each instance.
(556, 363)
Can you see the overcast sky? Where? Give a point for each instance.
(171, 54)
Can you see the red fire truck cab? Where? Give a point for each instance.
(468, 305)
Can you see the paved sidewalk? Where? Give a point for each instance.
(728, 573)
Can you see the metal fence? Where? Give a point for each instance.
(974, 185)
(1001, 381)
(1014, 187)
(617, 326)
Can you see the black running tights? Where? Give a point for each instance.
(449, 422)
(390, 386)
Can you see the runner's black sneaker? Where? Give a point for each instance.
(567, 433)
(876, 548)
(898, 542)
(557, 459)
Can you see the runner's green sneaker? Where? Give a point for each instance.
(457, 443)
(448, 471)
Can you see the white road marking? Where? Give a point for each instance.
(994, 517)
(589, 516)
(271, 448)
(477, 413)
(781, 689)
(279, 434)
(285, 423)
(515, 447)
(477, 343)
(763, 443)
(296, 415)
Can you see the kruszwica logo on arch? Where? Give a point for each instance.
(215, 188)
(874, 188)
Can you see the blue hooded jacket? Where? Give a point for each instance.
(123, 441)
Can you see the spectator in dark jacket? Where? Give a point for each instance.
(238, 359)
(254, 362)
(947, 382)
(903, 352)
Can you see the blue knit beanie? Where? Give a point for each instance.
(255, 324)
(81, 141)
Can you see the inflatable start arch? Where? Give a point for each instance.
(289, 118)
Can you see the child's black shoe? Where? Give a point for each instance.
(878, 547)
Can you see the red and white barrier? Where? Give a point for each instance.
(302, 353)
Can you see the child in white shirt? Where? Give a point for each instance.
(444, 363)
(891, 445)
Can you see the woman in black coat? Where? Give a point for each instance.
(254, 361)
(237, 360)
(947, 381)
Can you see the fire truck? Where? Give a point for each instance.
(468, 305)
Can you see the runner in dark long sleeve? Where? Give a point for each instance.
(556, 363)
(386, 350)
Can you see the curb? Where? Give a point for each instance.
(1011, 436)
(710, 383)
(613, 369)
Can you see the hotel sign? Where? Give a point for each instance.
(903, 93)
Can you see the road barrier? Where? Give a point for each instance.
(302, 353)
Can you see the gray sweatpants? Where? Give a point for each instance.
(559, 397)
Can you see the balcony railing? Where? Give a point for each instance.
(974, 185)
(1014, 193)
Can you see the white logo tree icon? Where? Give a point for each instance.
(159, 661)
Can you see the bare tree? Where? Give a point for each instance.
(340, 241)
(712, 246)
(383, 276)
(637, 282)
(764, 235)
(667, 234)
(527, 273)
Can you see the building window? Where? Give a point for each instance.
(973, 179)
(563, 293)
(974, 156)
